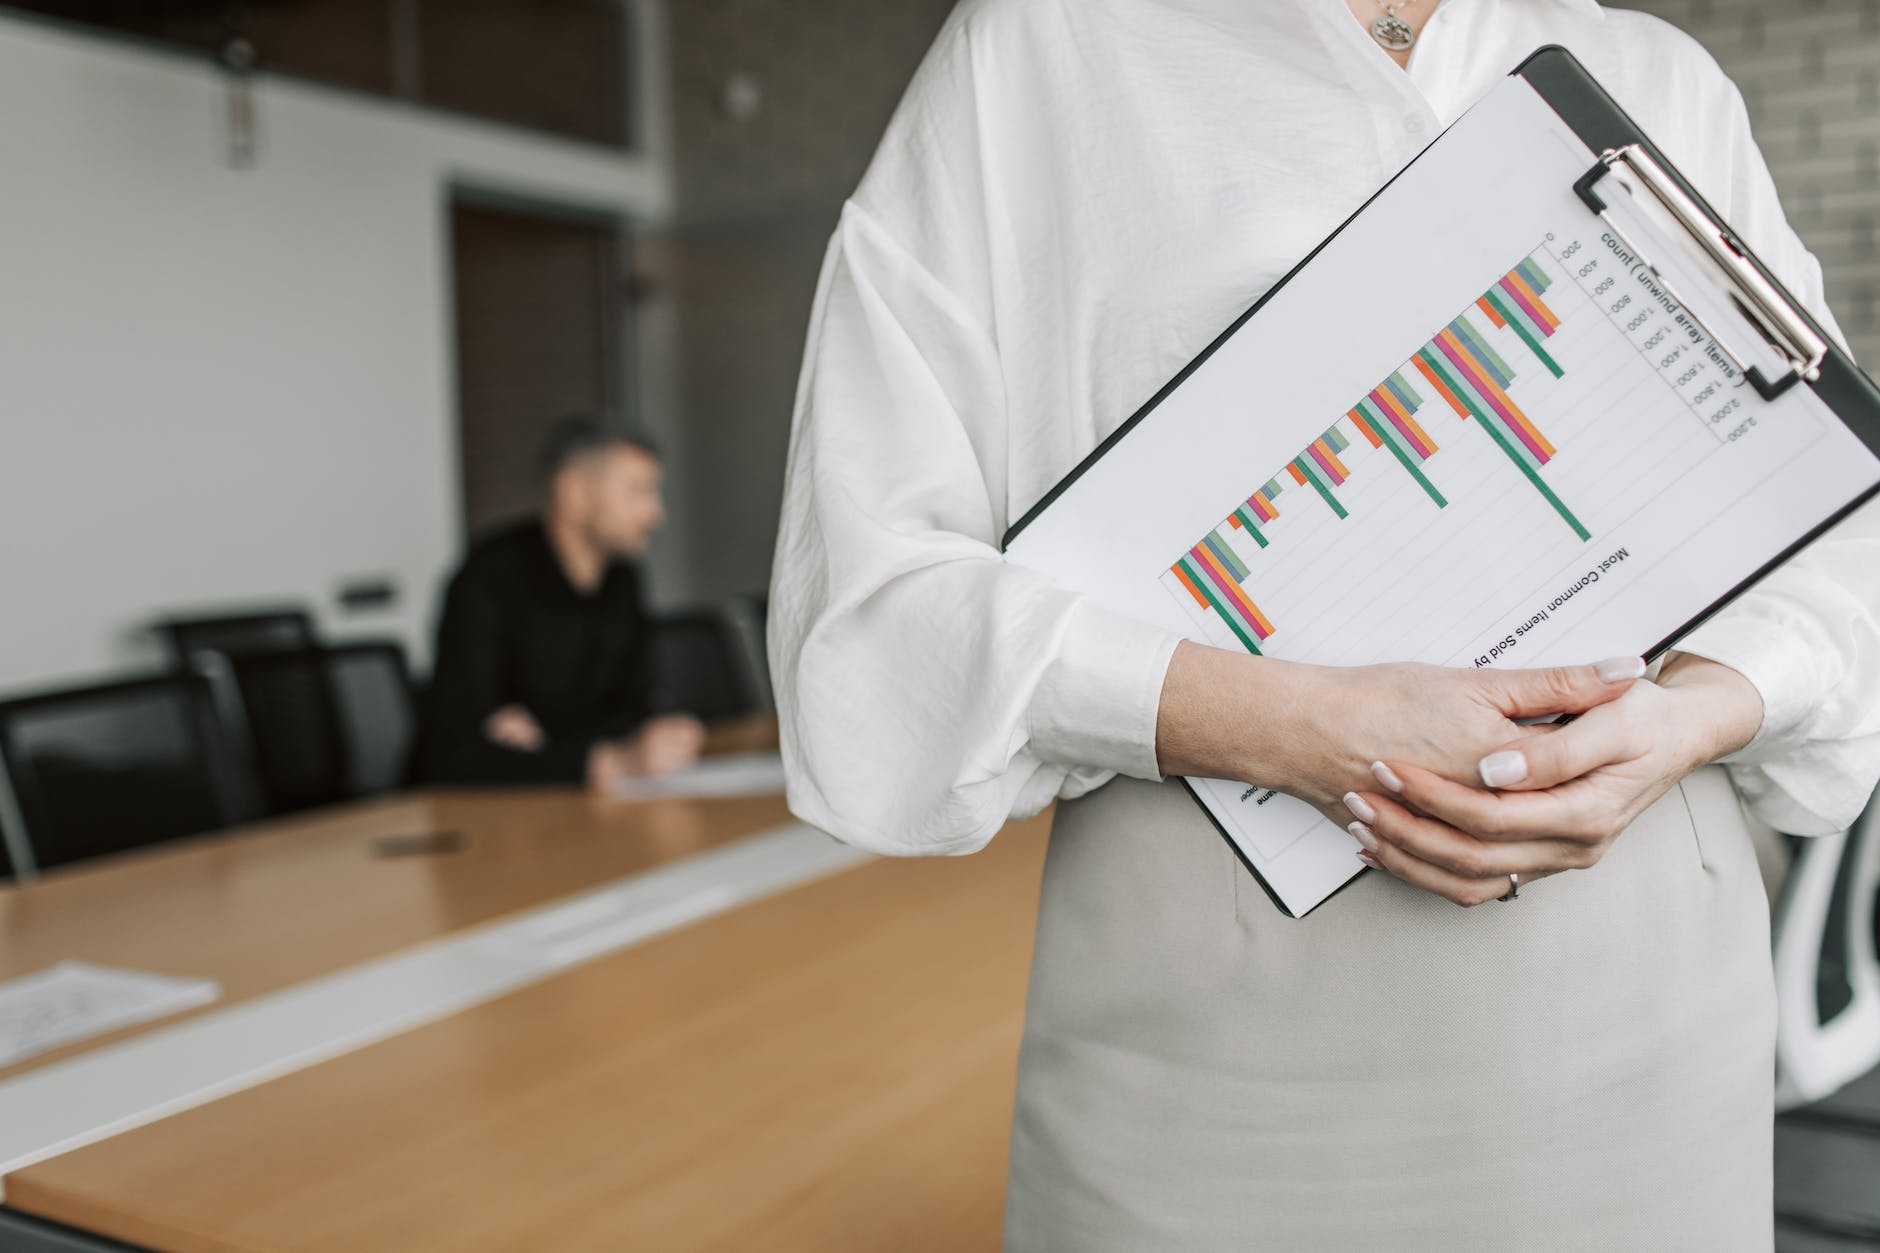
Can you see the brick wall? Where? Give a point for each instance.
(1810, 73)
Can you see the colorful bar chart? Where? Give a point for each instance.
(1461, 368)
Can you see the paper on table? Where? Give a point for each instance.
(73, 1000)
(733, 774)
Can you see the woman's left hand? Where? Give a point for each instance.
(1557, 800)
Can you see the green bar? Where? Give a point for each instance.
(1403, 385)
(1312, 476)
(1335, 440)
(1207, 589)
(1225, 553)
(1483, 350)
(1537, 278)
(1493, 427)
(1272, 487)
(1247, 520)
(1473, 399)
(1394, 442)
(1518, 319)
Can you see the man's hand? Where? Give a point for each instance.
(668, 743)
(661, 746)
(513, 726)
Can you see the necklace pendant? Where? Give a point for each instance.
(1393, 32)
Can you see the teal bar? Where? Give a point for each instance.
(1524, 327)
(1488, 356)
(1478, 406)
(1206, 585)
(1406, 457)
(1247, 522)
(1507, 446)
(1312, 476)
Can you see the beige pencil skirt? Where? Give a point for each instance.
(1588, 1067)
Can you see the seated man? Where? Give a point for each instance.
(542, 671)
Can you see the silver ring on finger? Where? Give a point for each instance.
(1514, 887)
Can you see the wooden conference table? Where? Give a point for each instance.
(828, 1067)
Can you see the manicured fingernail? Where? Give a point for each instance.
(1386, 776)
(1616, 669)
(1370, 861)
(1360, 807)
(1362, 834)
(1501, 769)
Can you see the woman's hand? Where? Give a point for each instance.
(1560, 797)
(1313, 731)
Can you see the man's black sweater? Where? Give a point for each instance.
(515, 632)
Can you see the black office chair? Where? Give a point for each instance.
(323, 725)
(266, 630)
(702, 664)
(12, 834)
(100, 770)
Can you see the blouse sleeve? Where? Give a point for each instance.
(928, 690)
(1808, 635)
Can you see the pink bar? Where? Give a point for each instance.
(1232, 597)
(1488, 396)
(1527, 306)
(1325, 465)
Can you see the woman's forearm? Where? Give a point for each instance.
(1723, 709)
(1223, 715)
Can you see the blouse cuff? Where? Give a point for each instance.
(1096, 703)
(1778, 666)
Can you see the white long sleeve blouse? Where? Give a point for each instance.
(1071, 201)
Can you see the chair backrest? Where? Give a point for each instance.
(104, 769)
(1827, 963)
(746, 614)
(378, 714)
(701, 664)
(268, 630)
(324, 724)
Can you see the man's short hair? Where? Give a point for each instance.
(573, 436)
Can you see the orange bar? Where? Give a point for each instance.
(1364, 428)
(1384, 396)
(1421, 434)
(1514, 276)
(1190, 585)
(1233, 520)
(1493, 316)
(1297, 474)
(1265, 627)
(1231, 584)
(1436, 381)
(1449, 337)
(1331, 458)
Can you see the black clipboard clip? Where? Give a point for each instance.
(1755, 296)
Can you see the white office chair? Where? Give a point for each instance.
(1824, 938)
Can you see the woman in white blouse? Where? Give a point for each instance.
(1072, 200)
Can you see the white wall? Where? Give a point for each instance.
(223, 385)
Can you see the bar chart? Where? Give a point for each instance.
(1462, 372)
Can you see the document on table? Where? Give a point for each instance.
(732, 774)
(73, 1000)
(1475, 429)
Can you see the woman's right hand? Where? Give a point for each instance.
(1313, 731)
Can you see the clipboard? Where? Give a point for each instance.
(1762, 355)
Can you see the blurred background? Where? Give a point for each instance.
(290, 291)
